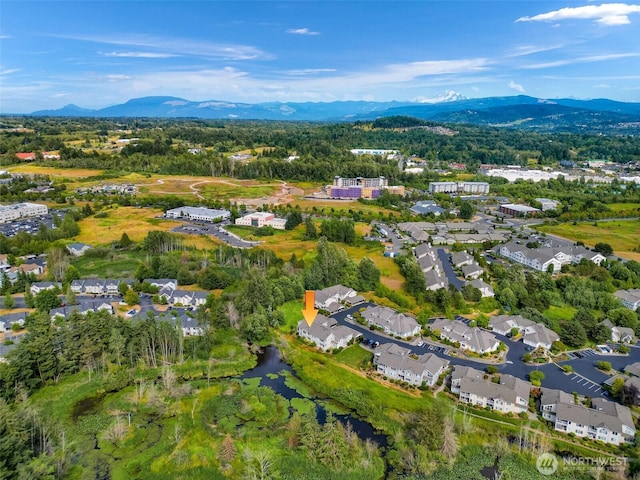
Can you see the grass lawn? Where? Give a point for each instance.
(622, 235)
(136, 222)
(560, 313)
(354, 356)
(74, 173)
(114, 265)
(292, 311)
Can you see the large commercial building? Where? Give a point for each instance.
(21, 210)
(262, 219)
(518, 210)
(197, 213)
(373, 151)
(459, 187)
(359, 187)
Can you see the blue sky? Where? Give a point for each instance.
(95, 54)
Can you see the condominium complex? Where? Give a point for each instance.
(459, 187)
(359, 187)
(21, 210)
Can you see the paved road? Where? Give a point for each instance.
(448, 269)
(586, 381)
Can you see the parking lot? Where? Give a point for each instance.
(29, 225)
(592, 387)
(582, 354)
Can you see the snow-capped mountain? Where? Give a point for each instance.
(444, 97)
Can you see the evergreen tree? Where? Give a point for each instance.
(310, 232)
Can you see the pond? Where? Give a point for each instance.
(269, 369)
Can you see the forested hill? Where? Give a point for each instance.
(521, 112)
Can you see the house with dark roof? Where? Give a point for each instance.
(425, 207)
(472, 271)
(326, 333)
(76, 249)
(82, 308)
(396, 362)
(37, 287)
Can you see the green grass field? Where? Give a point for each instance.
(622, 235)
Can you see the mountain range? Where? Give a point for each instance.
(521, 111)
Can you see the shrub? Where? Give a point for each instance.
(602, 365)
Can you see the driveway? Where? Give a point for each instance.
(443, 255)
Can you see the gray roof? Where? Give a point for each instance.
(508, 390)
(457, 331)
(609, 415)
(459, 257)
(425, 363)
(323, 326)
(480, 284)
(633, 369)
(388, 317)
(460, 371)
(423, 249)
(471, 269)
(323, 295)
(552, 396)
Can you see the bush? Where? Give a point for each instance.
(567, 368)
(491, 369)
(602, 365)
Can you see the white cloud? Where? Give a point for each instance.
(516, 86)
(309, 71)
(138, 54)
(589, 59)
(475, 89)
(117, 78)
(178, 46)
(9, 71)
(523, 50)
(60, 95)
(602, 85)
(302, 31)
(608, 14)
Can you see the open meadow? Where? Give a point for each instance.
(622, 235)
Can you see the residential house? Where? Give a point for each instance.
(460, 259)
(629, 298)
(469, 338)
(333, 295)
(633, 369)
(169, 283)
(82, 308)
(533, 334)
(4, 262)
(8, 320)
(94, 286)
(37, 287)
(392, 322)
(620, 334)
(425, 207)
(326, 333)
(76, 249)
(395, 362)
(435, 280)
(546, 258)
(181, 297)
(424, 249)
(472, 271)
(33, 268)
(485, 289)
(606, 421)
(77, 286)
(549, 401)
(509, 395)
